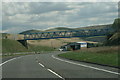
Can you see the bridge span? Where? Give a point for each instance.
(66, 34)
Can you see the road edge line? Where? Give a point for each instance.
(7, 61)
(86, 66)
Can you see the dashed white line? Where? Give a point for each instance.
(86, 66)
(7, 61)
(55, 74)
(52, 71)
(41, 65)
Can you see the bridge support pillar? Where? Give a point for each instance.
(23, 42)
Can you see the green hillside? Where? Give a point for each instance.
(12, 46)
(116, 24)
(0, 46)
(114, 38)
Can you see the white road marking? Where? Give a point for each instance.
(86, 66)
(7, 61)
(55, 74)
(41, 65)
(10, 60)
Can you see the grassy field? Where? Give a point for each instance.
(100, 55)
(56, 43)
(13, 46)
(38, 48)
(96, 39)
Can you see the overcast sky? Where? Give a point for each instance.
(21, 16)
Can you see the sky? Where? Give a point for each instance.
(22, 16)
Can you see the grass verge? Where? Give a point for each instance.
(12, 46)
(13, 55)
(103, 55)
(37, 48)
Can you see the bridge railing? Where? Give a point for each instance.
(66, 34)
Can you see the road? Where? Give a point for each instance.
(51, 66)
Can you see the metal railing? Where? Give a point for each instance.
(66, 34)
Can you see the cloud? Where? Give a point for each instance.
(60, 0)
(33, 7)
(37, 8)
(41, 15)
(95, 10)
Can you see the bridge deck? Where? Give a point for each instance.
(66, 34)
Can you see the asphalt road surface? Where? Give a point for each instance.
(51, 66)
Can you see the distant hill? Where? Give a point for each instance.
(96, 39)
(60, 29)
(66, 28)
(88, 27)
(95, 27)
(4, 35)
(30, 31)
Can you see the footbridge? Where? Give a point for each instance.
(66, 34)
(63, 34)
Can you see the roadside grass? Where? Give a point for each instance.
(12, 46)
(13, 55)
(37, 48)
(99, 55)
(0, 45)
